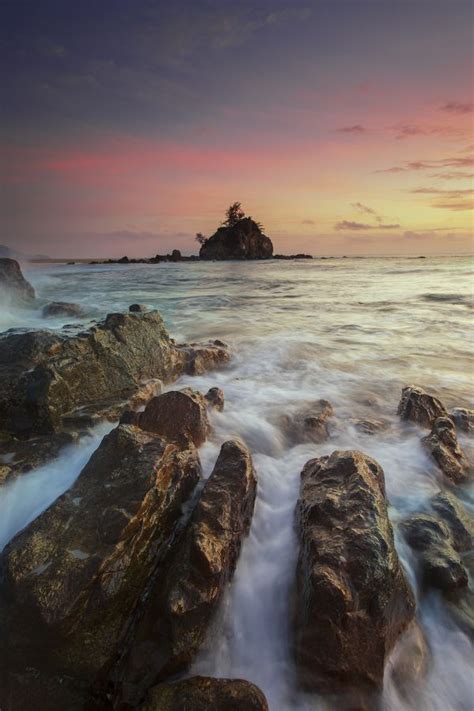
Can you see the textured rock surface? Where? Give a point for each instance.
(244, 240)
(215, 399)
(45, 376)
(178, 416)
(199, 358)
(202, 693)
(442, 444)
(14, 284)
(62, 308)
(463, 419)
(70, 582)
(418, 406)
(352, 598)
(308, 424)
(186, 598)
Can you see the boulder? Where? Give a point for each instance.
(461, 525)
(178, 416)
(409, 662)
(137, 308)
(62, 308)
(371, 427)
(463, 419)
(308, 424)
(244, 240)
(185, 599)
(352, 599)
(420, 407)
(442, 444)
(45, 376)
(14, 283)
(24, 455)
(215, 399)
(200, 693)
(73, 579)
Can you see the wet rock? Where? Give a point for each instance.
(185, 599)
(463, 419)
(244, 240)
(62, 308)
(13, 282)
(410, 660)
(202, 693)
(215, 399)
(308, 424)
(371, 427)
(440, 564)
(442, 444)
(24, 455)
(461, 525)
(420, 407)
(178, 416)
(137, 308)
(352, 598)
(72, 580)
(46, 376)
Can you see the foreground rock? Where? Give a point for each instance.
(46, 377)
(178, 416)
(443, 446)
(463, 419)
(308, 424)
(202, 693)
(71, 581)
(185, 599)
(352, 598)
(14, 284)
(21, 456)
(62, 308)
(420, 407)
(244, 240)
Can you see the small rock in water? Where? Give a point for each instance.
(137, 308)
(215, 398)
(177, 415)
(420, 407)
(463, 419)
(442, 443)
(308, 424)
(62, 308)
(371, 427)
(200, 693)
(13, 281)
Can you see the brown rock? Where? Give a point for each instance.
(72, 580)
(463, 419)
(308, 424)
(199, 358)
(62, 308)
(371, 427)
(461, 525)
(352, 598)
(443, 446)
(137, 308)
(14, 283)
(243, 240)
(184, 603)
(418, 406)
(25, 455)
(409, 662)
(178, 416)
(202, 693)
(215, 399)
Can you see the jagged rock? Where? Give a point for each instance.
(14, 283)
(202, 693)
(442, 444)
(352, 598)
(184, 602)
(178, 416)
(215, 399)
(25, 455)
(46, 376)
(463, 419)
(137, 308)
(72, 580)
(244, 240)
(418, 406)
(62, 308)
(308, 424)
(459, 522)
(440, 564)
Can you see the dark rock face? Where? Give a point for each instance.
(461, 525)
(14, 283)
(137, 308)
(215, 399)
(186, 598)
(45, 376)
(202, 693)
(62, 308)
(308, 424)
(71, 581)
(244, 240)
(443, 445)
(25, 455)
(352, 598)
(178, 416)
(420, 407)
(463, 419)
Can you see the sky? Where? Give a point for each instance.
(344, 126)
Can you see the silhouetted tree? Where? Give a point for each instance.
(233, 214)
(200, 238)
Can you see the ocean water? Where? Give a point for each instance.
(352, 331)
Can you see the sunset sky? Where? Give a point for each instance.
(345, 126)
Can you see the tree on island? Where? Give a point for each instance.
(233, 214)
(200, 238)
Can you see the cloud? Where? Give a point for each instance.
(351, 225)
(456, 200)
(457, 107)
(367, 210)
(455, 162)
(453, 175)
(455, 205)
(357, 129)
(407, 130)
(308, 222)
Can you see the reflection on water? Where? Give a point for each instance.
(350, 331)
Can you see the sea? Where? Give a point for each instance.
(351, 331)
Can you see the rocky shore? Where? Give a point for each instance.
(107, 597)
